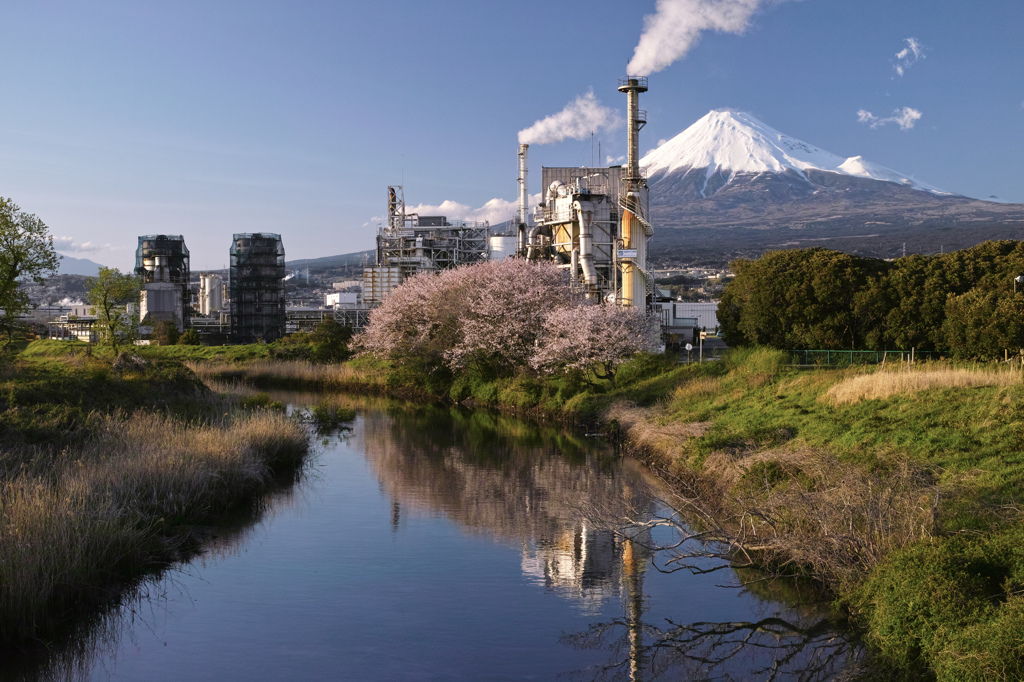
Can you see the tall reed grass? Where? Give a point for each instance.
(885, 384)
(293, 374)
(74, 523)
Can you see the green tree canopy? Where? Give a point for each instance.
(26, 251)
(110, 293)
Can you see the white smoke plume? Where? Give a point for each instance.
(905, 118)
(906, 57)
(577, 121)
(676, 27)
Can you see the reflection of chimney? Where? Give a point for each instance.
(632, 573)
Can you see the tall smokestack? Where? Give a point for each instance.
(524, 196)
(636, 119)
(635, 229)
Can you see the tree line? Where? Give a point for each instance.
(962, 303)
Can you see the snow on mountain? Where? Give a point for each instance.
(731, 143)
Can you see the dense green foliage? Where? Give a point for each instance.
(962, 303)
(111, 292)
(26, 251)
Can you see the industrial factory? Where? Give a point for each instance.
(592, 222)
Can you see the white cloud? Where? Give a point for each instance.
(614, 160)
(69, 244)
(906, 57)
(905, 118)
(577, 121)
(494, 211)
(676, 26)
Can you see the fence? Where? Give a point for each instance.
(846, 358)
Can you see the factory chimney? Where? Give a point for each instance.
(635, 229)
(524, 200)
(636, 119)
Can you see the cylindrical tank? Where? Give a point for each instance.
(502, 247)
(211, 294)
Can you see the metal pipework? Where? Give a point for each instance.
(584, 214)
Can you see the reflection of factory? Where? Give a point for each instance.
(517, 492)
(162, 266)
(594, 221)
(581, 563)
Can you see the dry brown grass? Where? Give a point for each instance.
(645, 430)
(884, 384)
(71, 523)
(297, 373)
(789, 505)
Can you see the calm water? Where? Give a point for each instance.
(431, 544)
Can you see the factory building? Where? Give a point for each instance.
(162, 266)
(594, 221)
(256, 287)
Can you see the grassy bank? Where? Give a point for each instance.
(105, 472)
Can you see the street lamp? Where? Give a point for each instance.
(1020, 279)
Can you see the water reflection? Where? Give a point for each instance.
(496, 476)
(556, 498)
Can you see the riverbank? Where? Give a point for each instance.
(898, 488)
(107, 469)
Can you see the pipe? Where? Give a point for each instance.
(586, 244)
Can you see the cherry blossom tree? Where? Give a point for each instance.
(486, 317)
(594, 338)
(500, 317)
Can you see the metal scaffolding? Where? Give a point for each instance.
(257, 287)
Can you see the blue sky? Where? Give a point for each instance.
(210, 118)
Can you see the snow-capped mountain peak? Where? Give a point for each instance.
(732, 142)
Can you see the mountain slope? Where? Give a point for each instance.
(729, 170)
(78, 266)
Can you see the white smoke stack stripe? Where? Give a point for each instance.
(576, 121)
(676, 27)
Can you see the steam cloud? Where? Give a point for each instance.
(577, 121)
(905, 118)
(676, 26)
(906, 57)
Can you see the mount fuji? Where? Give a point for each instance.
(746, 187)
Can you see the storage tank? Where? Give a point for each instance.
(502, 247)
(211, 294)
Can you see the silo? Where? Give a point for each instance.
(211, 294)
(256, 285)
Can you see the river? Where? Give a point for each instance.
(427, 543)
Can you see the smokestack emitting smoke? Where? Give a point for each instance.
(676, 26)
(577, 121)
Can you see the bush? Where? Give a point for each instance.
(165, 333)
(190, 337)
